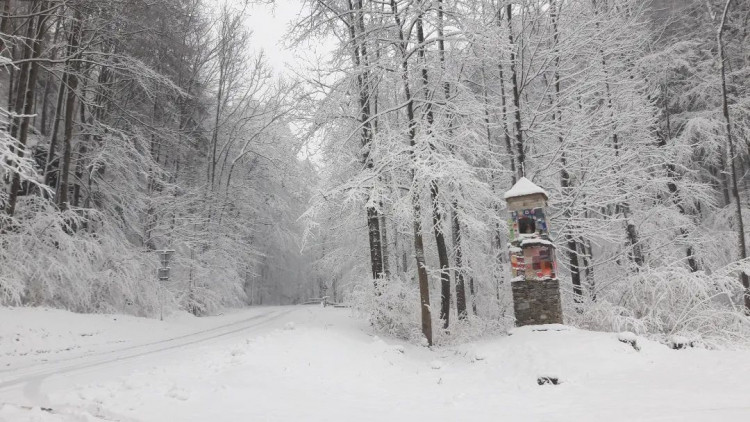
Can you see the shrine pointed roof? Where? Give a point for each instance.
(524, 187)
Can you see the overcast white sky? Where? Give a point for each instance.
(269, 23)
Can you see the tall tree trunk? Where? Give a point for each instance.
(81, 159)
(460, 283)
(721, 175)
(384, 245)
(455, 221)
(565, 185)
(672, 186)
(588, 268)
(70, 103)
(5, 23)
(48, 83)
(504, 113)
(424, 285)
(18, 105)
(24, 72)
(357, 35)
(80, 165)
(742, 252)
(497, 235)
(516, 95)
(383, 222)
(636, 250)
(52, 164)
(397, 252)
(26, 94)
(472, 293)
(6, 28)
(437, 218)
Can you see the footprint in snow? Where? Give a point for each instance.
(178, 394)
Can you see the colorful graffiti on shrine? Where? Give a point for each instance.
(540, 262)
(532, 255)
(517, 267)
(527, 221)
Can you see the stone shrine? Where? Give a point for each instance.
(536, 289)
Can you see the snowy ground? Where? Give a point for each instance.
(315, 364)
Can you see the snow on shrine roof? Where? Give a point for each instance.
(536, 241)
(524, 187)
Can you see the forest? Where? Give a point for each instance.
(374, 172)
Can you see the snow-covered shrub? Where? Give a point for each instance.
(208, 281)
(50, 258)
(469, 329)
(394, 310)
(670, 301)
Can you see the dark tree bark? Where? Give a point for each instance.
(455, 221)
(70, 103)
(18, 105)
(497, 236)
(357, 35)
(636, 250)
(444, 261)
(504, 114)
(516, 95)
(472, 293)
(424, 285)
(437, 218)
(5, 23)
(565, 185)
(672, 186)
(52, 165)
(383, 224)
(81, 159)
(588, 268)
(44, 119)
(26, 93)
(460, 283)
(382, 221)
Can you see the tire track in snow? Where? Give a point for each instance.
(122, 349)
(32, 380)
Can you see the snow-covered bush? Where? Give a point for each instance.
(394, 310)
(50, 258)
(208, 281)
(670, 301)
(471, 328)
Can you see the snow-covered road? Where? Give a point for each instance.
(309, 363)
(29, 382)
(35, 374)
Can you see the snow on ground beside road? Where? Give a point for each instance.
(319, 364)
(36, 335)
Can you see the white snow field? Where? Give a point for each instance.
(308, 363)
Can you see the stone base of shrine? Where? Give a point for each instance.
(537, 302)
